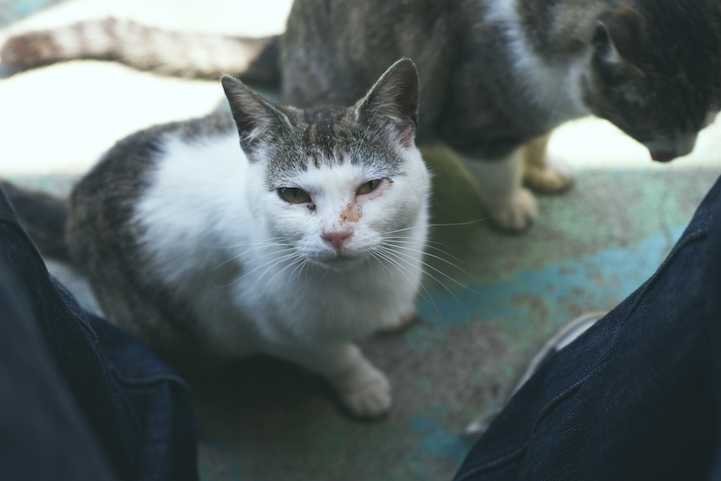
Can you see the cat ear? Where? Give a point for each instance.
(393, 101)
(254, 116)
(620, 37)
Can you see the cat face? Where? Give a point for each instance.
(339, 213)
(659, 86)
(332, 184)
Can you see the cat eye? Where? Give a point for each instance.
(293, 195)
(369, 187)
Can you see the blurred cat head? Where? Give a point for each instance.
(656, 73)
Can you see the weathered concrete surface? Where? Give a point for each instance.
(495, 299)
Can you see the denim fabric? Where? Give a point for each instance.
(80, 383)
(637, 397)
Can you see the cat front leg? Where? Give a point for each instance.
(363, 389)
(538, 173)
(511, 206)
(399, 323)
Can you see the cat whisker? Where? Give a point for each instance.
(434, 269)
(271, 265)
(298, 260)
(232, 258)
(410, 249)
(428, 298)
(397, 255)
(396, 262)
(276, 258)
(405, 237)
(454, 224)
(299, 268)
(268, 242)
(459, 224)
(255, 246)
(380, 261)
(274, 261)
(405, 240)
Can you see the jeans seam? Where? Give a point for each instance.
(693, 234)
(533, 429)
(680, 245)
(146, 380)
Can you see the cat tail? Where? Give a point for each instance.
(44, 217)
(166, 52)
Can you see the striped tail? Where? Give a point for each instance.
(179, 54)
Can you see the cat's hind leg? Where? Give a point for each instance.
(511, 206)
(363, 389)
(538, 173)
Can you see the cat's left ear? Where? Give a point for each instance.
(393, 102)
(619, 37)
(254, 116)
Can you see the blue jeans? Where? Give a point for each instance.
(79, 397)
(638, 396)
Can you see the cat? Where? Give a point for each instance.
(267, 229)
(496, 74)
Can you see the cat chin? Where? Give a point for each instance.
(340, 262)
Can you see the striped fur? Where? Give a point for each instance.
(180, 54)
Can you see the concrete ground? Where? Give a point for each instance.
(491, 300)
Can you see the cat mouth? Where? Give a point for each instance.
(340, 261)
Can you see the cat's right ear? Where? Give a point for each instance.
(393, 101)
(619, 37)
(254, 116)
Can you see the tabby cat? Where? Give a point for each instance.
(276, 230)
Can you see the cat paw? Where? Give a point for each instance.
(368, 395)
(518, 214)
(551, 178)
(404, 320)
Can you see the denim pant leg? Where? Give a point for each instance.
(79, 397)
(638, 396)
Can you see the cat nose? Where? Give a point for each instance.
(668, 149)
(337, 238)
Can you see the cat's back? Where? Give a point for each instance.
(332, 53)
(156, 172)
(137, 209)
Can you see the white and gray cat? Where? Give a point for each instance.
(496, 74)
(275, 230)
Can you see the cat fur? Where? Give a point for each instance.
(187, 242)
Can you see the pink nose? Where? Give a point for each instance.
(337, 238)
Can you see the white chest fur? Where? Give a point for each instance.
(555, 88)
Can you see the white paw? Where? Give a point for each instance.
(366, 394)
(406, 318)
(517, 214)
(552, 178)
(409, 315)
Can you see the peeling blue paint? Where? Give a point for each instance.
(614, 274)
(592, 282)
(435, 441)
